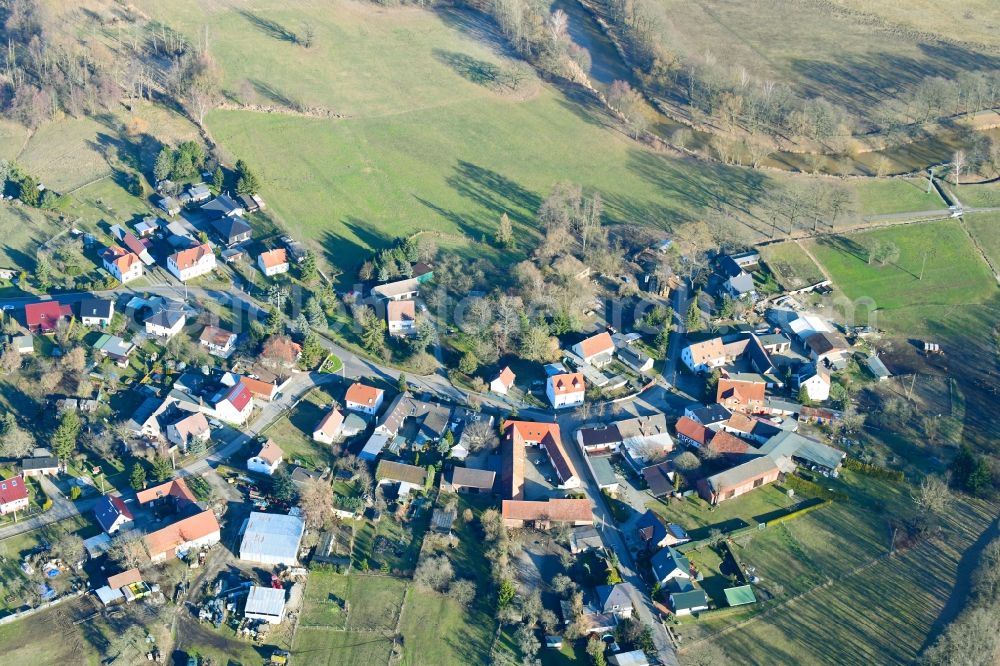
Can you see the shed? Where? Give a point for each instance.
(877, 368)
(739, 596)
(272, 538)
(266, 604)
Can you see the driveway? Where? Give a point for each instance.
(62, 508)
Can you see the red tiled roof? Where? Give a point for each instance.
(741, 422)
(709, 350)
(506, 377)
(744, 392)
(192, 256)
(45, 315)
(273, 258)
(239, 396)
(215, 336)
(121, 258)
(331, 423)
(597, 344)
(175, 488)
(688, 427)
(13, 490)
(362, 394)
(724, 442)
(401, 311)
(556, 510)
(567, 383)
(258, 388)
(133, 244)
(517, 434)
(195, 527)
(270, 452)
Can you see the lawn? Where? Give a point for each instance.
(791, 265)
(330, 647)
(440, 632)
(24, 229)
(420, 146)
(955, 275)
(897, 195)
(374, 602)
(979, 196)
(293, 432)
(698, 518)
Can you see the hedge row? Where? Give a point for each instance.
(856, 465)
(800, 485)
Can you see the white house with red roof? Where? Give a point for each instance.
(597, 350)
(123, 265)
(191, 263)
(501, 383)
(112, 513)
(267, 459)
(363, 398)
(13, 495)
(329, 427)
(273, 262)
(234, 404)
(566, 390)
(401, 317)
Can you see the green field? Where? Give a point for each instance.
(421, 146)
(979, 196)
(880, 614)
(985, 228)
(23, 229)
(791, 265)
(897, 195)
(330, 647)
(955, 275)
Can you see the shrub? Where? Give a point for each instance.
(869, 469)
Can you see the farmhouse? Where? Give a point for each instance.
(273, 262)
(738, 480)
(363, 398)
(266, 460)
(44, 317)
(197, 531)
(96, 311)
(518, 435)
(565, 390)
(13, 495)
(468, 480)
(597, 350)
(191, 263)
(272, 538)
(401, 317)
(542, 515)
(329, 427)
(703, 356)
(692, 433)
(174, 492)
(266, 604)
(804, 451)
(740, 395)
(502, 382)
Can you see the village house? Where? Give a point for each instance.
(188, 429)
(615, 599)
(112, 513)
(218, 341)
(133, 244)
(267, 460)
(502, 383)
(175, 540)
(635, 358)
(260, 388)
(815, 380)
(670, 564)
(468, 480)
(654, 533)
(363, 398)
(711, 416)
(231, 230)
(122, 264)
(195, 193)
(44, 317)
(401, 317)
(222, 206)
(398, 291)
(13, 495)
(741, 396)
(692, 433)
(96, 311)
(585, 538)
(597, 350)
(703, 356)
(565, 390)
(544, 514)
(328, 429)
(273, 262)
(232, 404)
(166, 320)
(824, 346)
(191, 263)
(173, 492)
(407, 477)
(168, 205)
(40, 463)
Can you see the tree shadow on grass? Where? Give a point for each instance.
(270, 28)
(472, 69)
(495, 192)
(271, 93)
